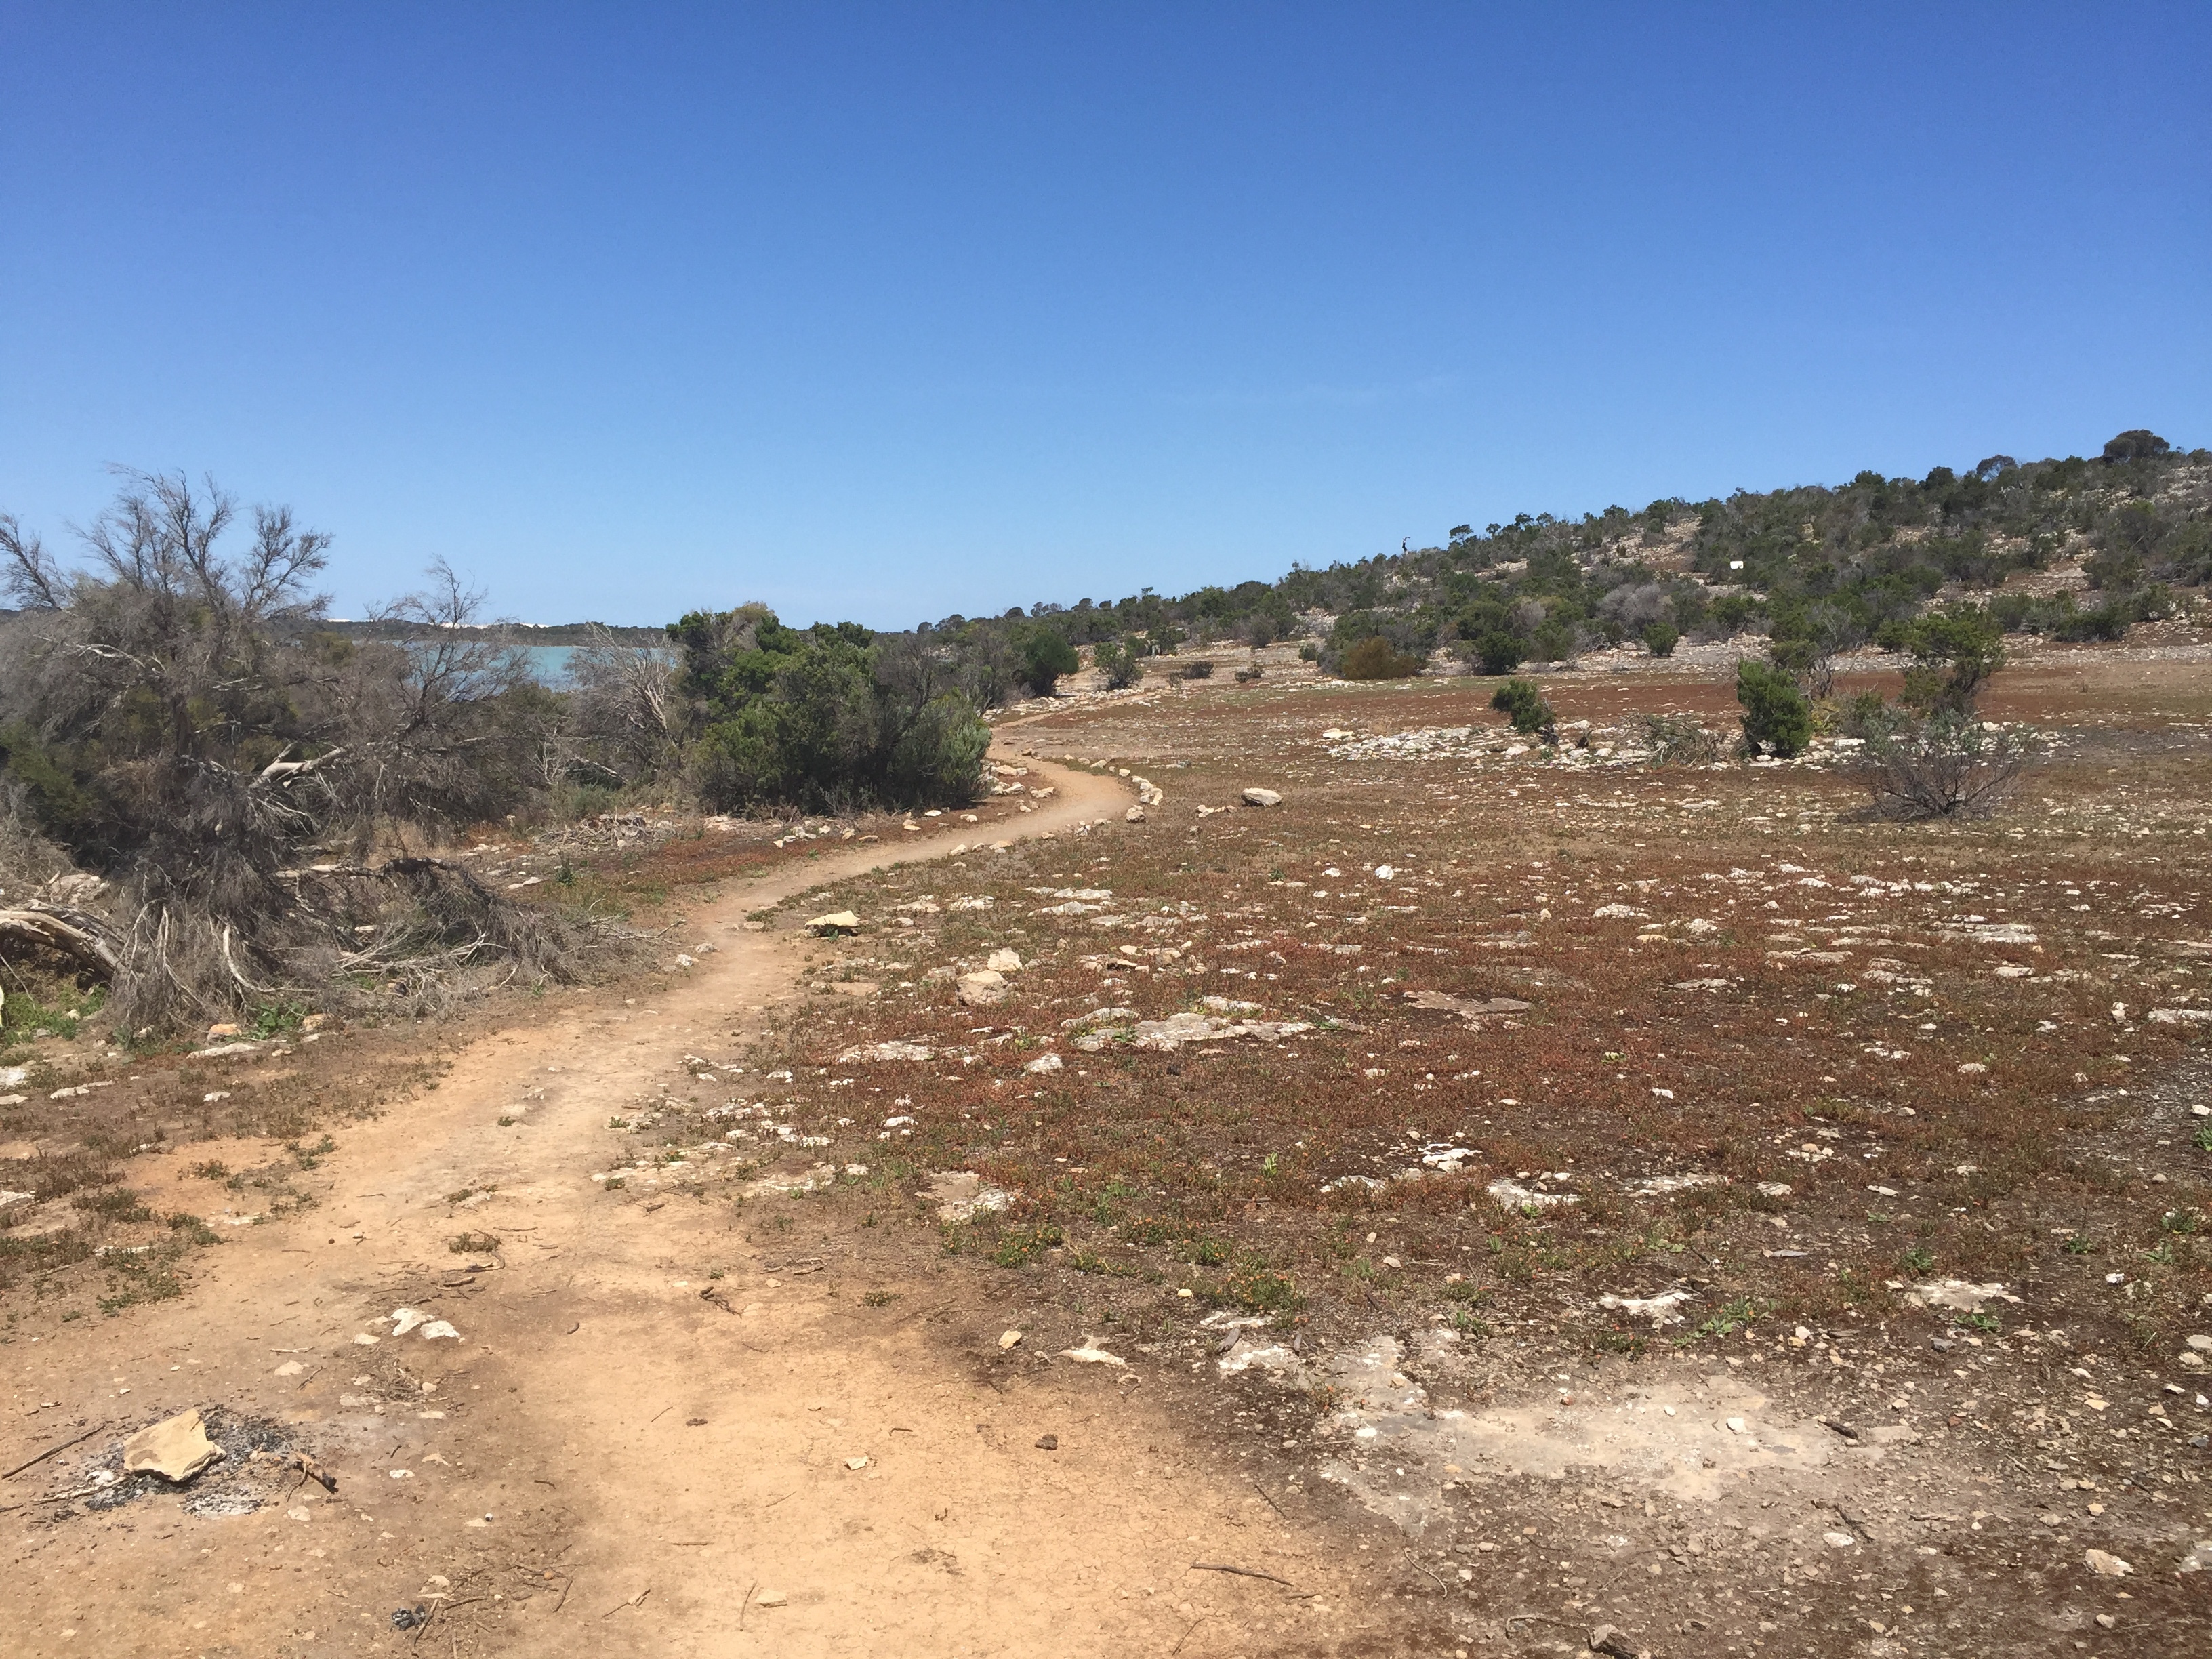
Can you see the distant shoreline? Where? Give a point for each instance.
(577, 633)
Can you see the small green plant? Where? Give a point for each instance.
(2203, 1138)
(113, 1203)
(195, 1230)
(275, 1019)
(1920, 1259)
(1018, 1246)
(1733, 1317)
(2079, 1245)
(1522, 704)
(1986, 1323)
(880, 1298)
(145, 1276)
(213, 1169)
(2184, 1222)
(474, 1244)
(1257, 1288)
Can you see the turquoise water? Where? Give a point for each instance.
(548, 664)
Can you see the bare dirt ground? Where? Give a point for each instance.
(1869, 1130)
(620, 1453)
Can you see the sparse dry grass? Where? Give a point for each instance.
(1846, 1028)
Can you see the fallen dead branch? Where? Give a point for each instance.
(63, 1446)
(87, 942)
(1241, 1572)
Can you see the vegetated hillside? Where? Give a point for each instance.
(1840, 565)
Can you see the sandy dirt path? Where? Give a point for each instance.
(609, 1461)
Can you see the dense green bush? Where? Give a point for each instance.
(822, 718)
(1500, 652)
(1524, 705)
(1372, 659)
(1045, 656)
(1777, 717)
(1955, 651)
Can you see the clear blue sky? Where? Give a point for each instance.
(888, 312)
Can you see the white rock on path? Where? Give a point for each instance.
(959, 1193)
(1659, 1310)
(1256, 797)
(1511, 1195)
(1092, 1354)
(1043, 1063)
(1004, 962)
(1956, 1294)
(835, 922)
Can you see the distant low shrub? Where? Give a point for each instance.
(1553, 639)
(1950, 765)
(1863, 714)
(1678, 740)
(1373, 658)
(1661, 638)
(1121, 664)
(1778, 717)
(1732, 613)
(1955, 651)
(1309, 652)
(1201, 669)
(1500, 652)
(1524, 705)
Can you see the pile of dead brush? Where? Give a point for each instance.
(255, 793)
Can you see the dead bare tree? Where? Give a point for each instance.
(627, 713)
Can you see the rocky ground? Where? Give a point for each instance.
(1488, 1199)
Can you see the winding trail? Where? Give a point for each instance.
(608, 1463)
